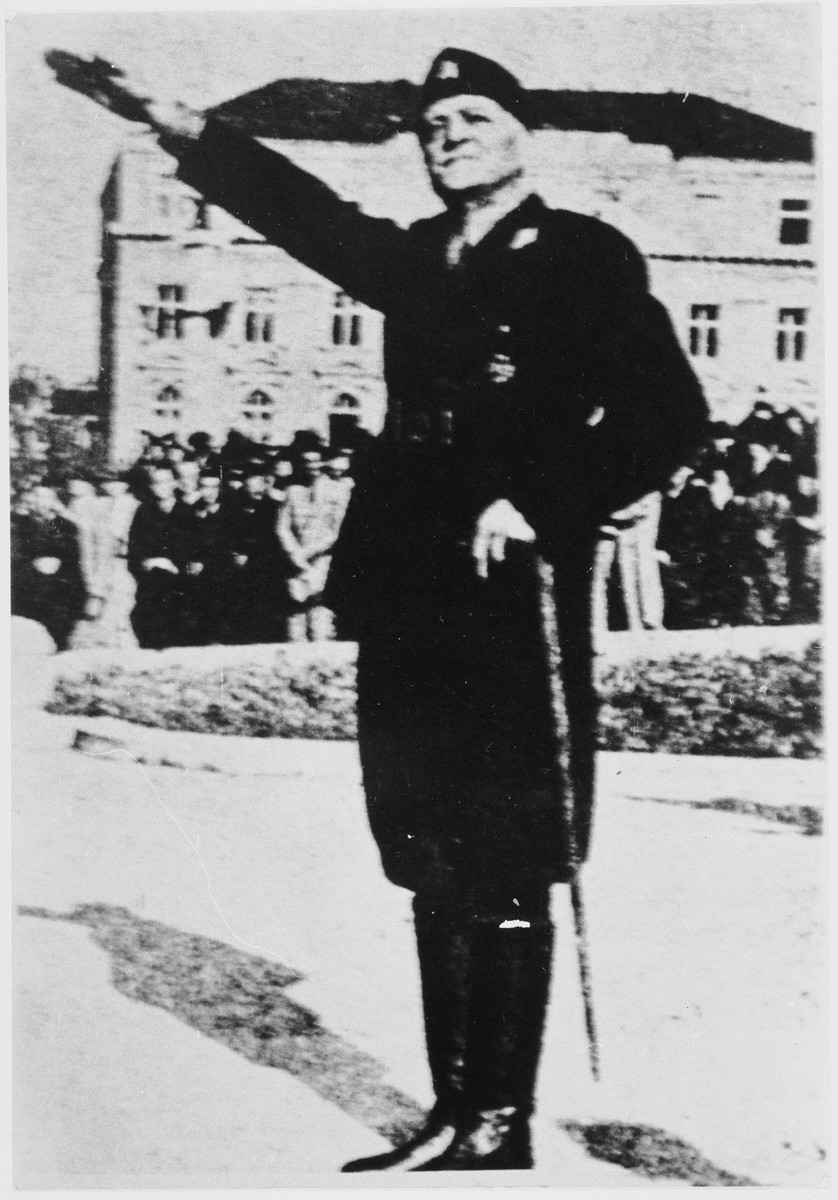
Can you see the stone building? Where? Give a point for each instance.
(204, 326)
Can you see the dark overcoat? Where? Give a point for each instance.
(158, 614)
(55, 601)
(537, 369)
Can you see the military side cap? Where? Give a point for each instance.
(464, 73)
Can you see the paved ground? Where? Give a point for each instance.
(216, 988)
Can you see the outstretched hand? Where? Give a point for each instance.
(108, 86)
(102, 82)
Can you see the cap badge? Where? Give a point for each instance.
(523, 237)
(448, 70)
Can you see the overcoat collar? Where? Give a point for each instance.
(526, 218)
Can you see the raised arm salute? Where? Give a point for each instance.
(534, 386)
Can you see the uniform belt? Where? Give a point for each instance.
(429, 427)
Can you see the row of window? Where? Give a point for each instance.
(257, 408)
(795, 215)
(168, 318)
(790, 333)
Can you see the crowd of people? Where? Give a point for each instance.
(196, 544)
(192, 545)
(734, 540)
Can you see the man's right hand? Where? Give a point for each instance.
(108, 86)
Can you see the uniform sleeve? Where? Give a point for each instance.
(655, 411)
(645, 408)
(367, 257)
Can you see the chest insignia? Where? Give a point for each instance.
(523, 237)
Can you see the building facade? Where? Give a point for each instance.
(205, 326)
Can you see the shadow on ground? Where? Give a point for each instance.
(239, 999)
(806, 818)
(651, 1152)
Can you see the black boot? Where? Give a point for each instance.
(445, 964)
(510, 990)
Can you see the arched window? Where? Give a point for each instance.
(259, 317)
(344, 420)
(347, 325)
(346, 401)
(168, 406)
(258, 412)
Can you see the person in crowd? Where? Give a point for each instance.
(92, 511)
(640, 567)
(115, 584)
(235, 449)
(47, 584)
(153, 453)
(307, 529)
(209, 568)
(720, 442)
(337, 483)
(232, 481)
(156, 556)
(748, 542)
(548, 389)
(628, 544)
(175, 451)
(202, 447)
(187, 472)
(306, 454)
(605, 559)
(255, 609)
(796, 451)
(762, 424)
(80, 506)
(685, 535)
(802, 539)
(337, 476)
(281, 471)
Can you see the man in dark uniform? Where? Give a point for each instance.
(253, 604)
(534, 387)
(158, 543)
(47, 582)
(208, 567)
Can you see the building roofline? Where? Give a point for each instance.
(691, 126)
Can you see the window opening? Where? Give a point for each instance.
(347, 324)
(704, 330)
(168, 405)
(259, 320)
(795, 230)
(170, 316)
(791, 334)
(258, 413)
